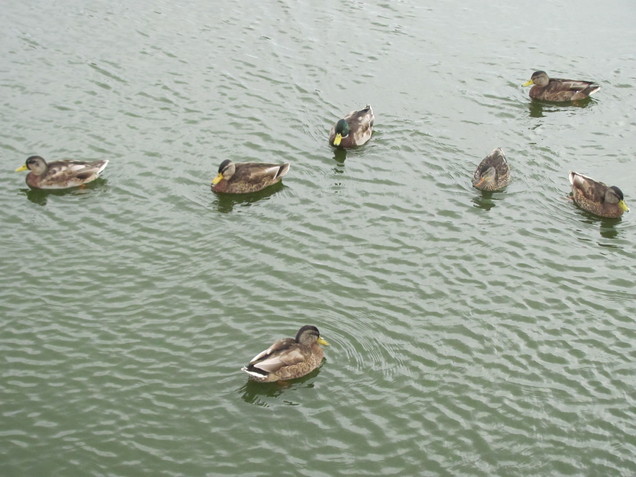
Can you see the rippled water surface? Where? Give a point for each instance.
(471, 334)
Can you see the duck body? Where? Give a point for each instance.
(354, 130)
(246, 177)
(559, 90)
(596, 197)
(60, 174)
(288, 358)
(493, 173)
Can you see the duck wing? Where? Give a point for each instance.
(589, 188)
(576, 86)
(362, 119)
(284, 352)
(65, 173)
(497, 160)
(257, 172)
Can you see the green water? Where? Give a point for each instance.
(470, 334)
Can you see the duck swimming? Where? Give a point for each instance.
(60, 174)
(492, 173)
(288, 358)
(596, 197)
(246, 177)
(354, 130)
(559, 90)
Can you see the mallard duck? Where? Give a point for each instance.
(556, 89)
(288, 358)
(60, 174)
(354, 130)
(596, 197)
(245, 177)
(493, 172)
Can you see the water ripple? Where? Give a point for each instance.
(471, 334)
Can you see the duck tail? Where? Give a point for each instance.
(102, 166)
(571, 177)
(282, 170)
(591, 89)
(577, 179)
(254, 372)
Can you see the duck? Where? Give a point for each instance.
(493, 173)
(354, 130)
(246, 177)
(288, 358)
(60, 174)
(596, 197)
(559, 90)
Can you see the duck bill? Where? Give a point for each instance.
(528, 83)
(623, 206)
(337, 139)
(217, 179)
(22, 168)
(323, 341)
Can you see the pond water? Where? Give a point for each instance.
(470, 334)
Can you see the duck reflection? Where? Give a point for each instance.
(339, 155)
(41, 196)
(538, 108)
(226, 202)
(267, 394)
(607, 226)
(38, 196)
(608, 229)
(485, 200)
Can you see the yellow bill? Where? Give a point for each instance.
(623, 206)
(337, 139)
(217, 179)
(528, 83)
(23, 167)
(323, 341)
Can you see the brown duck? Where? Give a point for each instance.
(60, 174)
(492, 173)
(559, 90)
(354, 130)
(596, 197)
(288, 358)
(246, 177)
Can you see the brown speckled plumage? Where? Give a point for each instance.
(596, 197)
(492, 173)
(354, 130)
(559, 90)
(60, 174)
(246, 177)
(288, 358)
